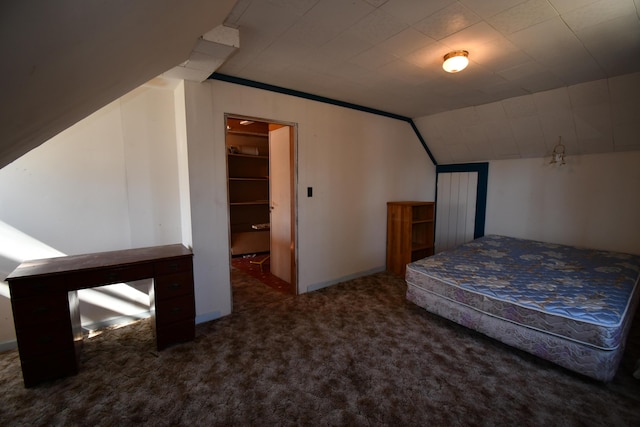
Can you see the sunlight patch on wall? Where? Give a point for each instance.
(120, 298)
(18, 246)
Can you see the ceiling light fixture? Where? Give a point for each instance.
(455, 61)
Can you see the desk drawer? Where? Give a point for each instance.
(85, 279)
(46, 339)
(173, 265)
(175, 309)
(173, 285)
(40, 311)
(37, 286)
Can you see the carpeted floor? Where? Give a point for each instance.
(259, 266)
(352, 354)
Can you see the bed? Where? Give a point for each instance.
(568, 305)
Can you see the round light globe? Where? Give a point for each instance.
(455, 61)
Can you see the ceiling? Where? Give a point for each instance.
(387, 54)
(523, 88)
(65, 59)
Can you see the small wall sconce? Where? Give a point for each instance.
(455, 61)
(557, 156)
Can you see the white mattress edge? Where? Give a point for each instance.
(586, 344)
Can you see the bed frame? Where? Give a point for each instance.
(568, 305)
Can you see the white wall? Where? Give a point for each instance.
(109, 182)
(593, 201)
(114, 180)
(354, 161)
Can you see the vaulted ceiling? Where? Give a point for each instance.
(65, 59)
(387, 54)
(539, 69)
(62, 60)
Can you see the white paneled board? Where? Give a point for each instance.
(455, 209)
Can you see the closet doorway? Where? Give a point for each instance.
(262, 206)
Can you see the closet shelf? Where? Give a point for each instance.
(238, 132)
(249, 156)
(254, 202)
(259, 178)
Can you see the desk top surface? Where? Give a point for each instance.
(63, 264)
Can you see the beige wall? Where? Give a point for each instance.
(354, 161)
(592, 201)
(109, 182)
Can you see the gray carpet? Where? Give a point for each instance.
(353, 354)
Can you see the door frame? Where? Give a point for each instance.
(293, 182)
(481, 190)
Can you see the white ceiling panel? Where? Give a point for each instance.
(625, 92)
(406, 72)
(415, 10)
(372, 58)
(473, 38)
(344, 47)
(237, 11)
(539, 82)
(529, 137)
(615, 45)
(589, 94)
(626, 136)
(447, 21)
(556, 124)
(492, 112)
(299, 7)
(503, 143)
(377, 27)
(501, 55)
(552, 100)
(523, 15)
(429, 57)
(522, 72)
(487, 8)
(521, 106)
(503, 91)
(323, 16)
(547, 40)
(597, 13)
(405, 42)
(388, 55)
(564, 67)
(460, 151)
(265, 31)
(482, 77)
(594, 129)
(563, 6)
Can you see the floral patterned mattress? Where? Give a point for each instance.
(586, 296)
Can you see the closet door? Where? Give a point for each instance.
(456, 209)
(280, 185)
(461, 203)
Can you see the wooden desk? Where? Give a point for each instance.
(45, 302)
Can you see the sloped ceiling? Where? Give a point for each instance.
(387, 55)
(593, 117)
(64, 59)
